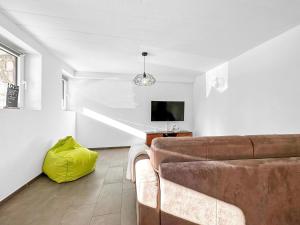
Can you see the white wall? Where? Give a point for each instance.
(125, 103)
(262, 95)
(25, 135)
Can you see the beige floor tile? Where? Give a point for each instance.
(114, 175)
(88, 192)
(110, 219)
(78, 215)
(116, 163)
(80, 187)
(22, 215)
(111, 189)
(109, 200)
(52, 211)
(128, 184)
(99, 173)
(128, 209)
(108, 204)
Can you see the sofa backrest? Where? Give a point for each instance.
(275, 146)
(223, 148)
(199, 148)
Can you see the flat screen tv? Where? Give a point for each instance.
(167, 111)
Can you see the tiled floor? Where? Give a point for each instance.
(101, 198)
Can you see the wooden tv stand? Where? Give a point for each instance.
(151, 135)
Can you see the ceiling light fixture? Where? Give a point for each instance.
(144, 79)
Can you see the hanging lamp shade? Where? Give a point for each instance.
(144, 79)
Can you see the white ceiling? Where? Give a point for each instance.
(183, 37)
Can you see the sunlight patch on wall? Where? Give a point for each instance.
(113, 123)
(217, 79)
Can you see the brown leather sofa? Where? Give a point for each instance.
(233, 180)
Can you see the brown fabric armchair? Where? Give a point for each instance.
(236, 180)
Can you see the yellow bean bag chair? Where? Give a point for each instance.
(67, 161)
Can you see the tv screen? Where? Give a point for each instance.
(167, 111)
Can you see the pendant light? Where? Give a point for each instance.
(144, 79)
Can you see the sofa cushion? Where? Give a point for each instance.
(274, 146)
(261, 191)
(181, 204)
(229, 147)
(184, 149)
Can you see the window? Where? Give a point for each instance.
(64, 85)
(8, 72)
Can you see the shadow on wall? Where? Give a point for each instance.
(113, 123)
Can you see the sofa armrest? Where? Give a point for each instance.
(236, 192)
(147, 189)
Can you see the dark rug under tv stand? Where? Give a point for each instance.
(155, 134)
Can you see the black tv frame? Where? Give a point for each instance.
(183, 111)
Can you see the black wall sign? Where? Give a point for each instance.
(12, 96)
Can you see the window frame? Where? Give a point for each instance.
(64, 83)
(19, 71)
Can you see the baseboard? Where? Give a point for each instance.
(107, 148)
(19, 189)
